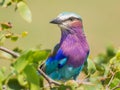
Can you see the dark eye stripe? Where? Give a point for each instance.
(71, 19)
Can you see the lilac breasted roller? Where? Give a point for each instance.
(69, 55)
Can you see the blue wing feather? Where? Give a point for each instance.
(62, 62)
(55, 61)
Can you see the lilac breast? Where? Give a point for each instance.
(76, 49)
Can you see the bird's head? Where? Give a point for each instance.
(68, 20)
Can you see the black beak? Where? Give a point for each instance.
(55, 21)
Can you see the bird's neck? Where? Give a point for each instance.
(75, 31)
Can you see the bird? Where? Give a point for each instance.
(68, 57)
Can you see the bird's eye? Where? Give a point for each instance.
(71, 19)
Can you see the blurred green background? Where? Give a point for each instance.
(101, 19)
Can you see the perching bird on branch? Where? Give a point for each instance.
(70, 54)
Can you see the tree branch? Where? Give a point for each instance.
(113, 74)
(83, 82)
(118, 86)
(87, 83)
(50, 81)
(15, 55)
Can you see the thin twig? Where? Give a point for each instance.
(15, 55)
(113, 74)
(83, 82)
(86, 83)
(50, 81)
(118, 86)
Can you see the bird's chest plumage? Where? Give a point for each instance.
(75, 50)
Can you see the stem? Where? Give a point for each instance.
(50, 81)
(82, 82)
(15, 55)
(118, 86)
(113, 74)
(86, 83)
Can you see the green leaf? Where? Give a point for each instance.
(71, 84)
(63, 87)
(41, 55)
(21, 79)
(118, 55)
(24, 11)
(2, 2)
(8, 35)
(114, 83)
(110, 51)
(23, 61)
(91, 66)
(32, 77)
(95, 84)
(117, 75)
(101, 58)
(2, 77)
(6, 26)
(112, 60)
(115, 61)
(100, 67)
(2, 39)
(17, 49)
(30, 56)
(24, 34)
(14, 38)
(5, 3)
(106, 72)
(13, 84)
